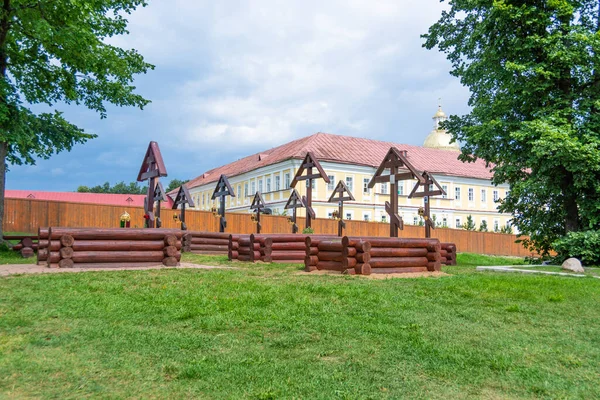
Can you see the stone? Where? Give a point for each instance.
(573, 264)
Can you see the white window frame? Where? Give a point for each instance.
(331, 184)
(350, 182)
(457, 193)
(268, 180)
(471, 193)
(277, 183)
(366, 188)
(483, 195)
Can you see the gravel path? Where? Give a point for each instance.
(13, 269)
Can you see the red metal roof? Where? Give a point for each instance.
(132, 200)
(349, 150)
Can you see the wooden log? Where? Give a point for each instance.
(444, 260)
(288, 246)
(27, 252)
(52, 265)
(395, 242)
(170, 240)
(243, 257)
(17, 247)
(434, 266)
(53, 257)
(19, 237)
(171, 251)
(114, 233)
(360, 245)
(312, 251)
(66, 252)
(331, 265)
(330, 246)
(363, 257)
(42, 255)
(245, 250)
(398, 252)
(363, 268)
(310, 268)
(288, 255)
(398, 262)
(234, 255)
(66, 263)
(330, 256)
(67, 240)
(212, 253)
(116, 256)
(209, 235)
(43, 243)
(266, 258)
(27, 242)
(349, 271)
(311, 260)
(235, 245)
(118, 265)
(210, 247)
(209, 241)
(43, 232)
(54, 245)
(398, 270)
(121, 245)
(170, 262)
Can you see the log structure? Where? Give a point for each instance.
(448, 254)
(27, 245)
(105, 248)
(198, 242)
(43, 243)
(366, 255)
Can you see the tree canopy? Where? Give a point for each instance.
(533, 69)
(119, 188)
(56, 52)
(174, 184)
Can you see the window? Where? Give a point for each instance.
(471, 194)
(444, 222)
(349, 182)
(384, 188)
(496, 195)
(239, 191)
(260, 185)
(458, 224)
(246, 189)
(384, 218)
(496, 225)
(415, 220)
(483, 195)
(331, 184)
(366, 189)
(253, 187)
(401, 188)
(268, 184)
(431, 187)
(330, 215)
(287, 180)
(445, 187)
(202, 198)
(277, 183)
(457, 193)
(366, 217)
(348, 216)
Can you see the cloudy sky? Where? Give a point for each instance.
(236, 77)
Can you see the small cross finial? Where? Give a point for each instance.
(439, 102)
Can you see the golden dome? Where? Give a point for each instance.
(439, 138)
(439, 113)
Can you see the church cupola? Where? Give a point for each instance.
(439, 138)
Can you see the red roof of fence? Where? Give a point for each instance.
(131, 200)
(349, 150)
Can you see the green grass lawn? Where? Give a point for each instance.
(268, 331)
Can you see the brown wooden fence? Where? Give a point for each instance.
(26, 215)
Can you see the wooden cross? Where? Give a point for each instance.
(152, 168)
(159, 195)
(427, 181)
(183, 197)
(293, 203)
(308, 164)
(258, 204)
(340, 189)
(222, 190)
(394, 160)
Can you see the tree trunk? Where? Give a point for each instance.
(3, 152)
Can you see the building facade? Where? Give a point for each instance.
(468, 187)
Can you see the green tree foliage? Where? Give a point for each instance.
(175, 184)
(533, 69)
(483, 226)
(56, 51)
(470, 224)
(119, 188)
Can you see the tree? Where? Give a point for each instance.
(119, 188)
(533, 69)
(175, 184)
(54, 51)
(483, 226)
(469, 225)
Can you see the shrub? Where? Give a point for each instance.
(582, 245)
(308, 230)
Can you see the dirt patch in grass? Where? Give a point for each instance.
(381, 276)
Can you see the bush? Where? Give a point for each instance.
(582, 245)
(308, 230)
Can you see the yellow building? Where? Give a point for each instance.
(354, 160)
